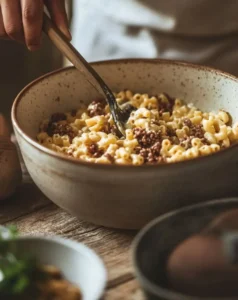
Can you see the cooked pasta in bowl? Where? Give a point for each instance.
(180, 146)
(161, 129)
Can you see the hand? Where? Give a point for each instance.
(21, 20)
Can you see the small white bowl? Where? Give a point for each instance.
(79, 264)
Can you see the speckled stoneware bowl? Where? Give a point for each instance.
(126, 196)
(156, 241)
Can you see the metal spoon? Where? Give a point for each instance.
(120, 116)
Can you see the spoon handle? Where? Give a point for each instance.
(83, 66)
(71, 53)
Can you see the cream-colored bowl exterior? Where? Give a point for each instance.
(126, 196)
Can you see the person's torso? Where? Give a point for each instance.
(186, 17)
(200, 31)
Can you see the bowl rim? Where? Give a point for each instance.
(93, 165)
(143, 280)
(81, 248)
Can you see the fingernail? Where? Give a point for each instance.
(69, 35)
(66, 32)
(33, 47)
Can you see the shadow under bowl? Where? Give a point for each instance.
(154, 243)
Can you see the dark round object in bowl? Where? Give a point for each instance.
(156, 241)
(199, 266)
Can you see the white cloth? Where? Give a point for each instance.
(200, 31)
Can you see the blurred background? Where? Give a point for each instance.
(19, 66)
(109, 29)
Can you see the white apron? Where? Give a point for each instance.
(199, 31)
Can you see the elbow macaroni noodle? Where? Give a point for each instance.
(159, 130)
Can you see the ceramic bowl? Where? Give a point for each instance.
(156, 241)
(79, 264)
(126, 196)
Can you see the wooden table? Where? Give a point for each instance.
(33, 214)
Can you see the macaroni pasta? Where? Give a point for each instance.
(160, 130)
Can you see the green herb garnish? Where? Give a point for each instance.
(21, 277)
(15, 271)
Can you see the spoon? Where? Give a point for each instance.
(120, 116)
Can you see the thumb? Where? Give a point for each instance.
(58, 15)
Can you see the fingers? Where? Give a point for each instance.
(58, 14)
(11, 19)
(3, 33)
(32, 16)
(21, 20)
